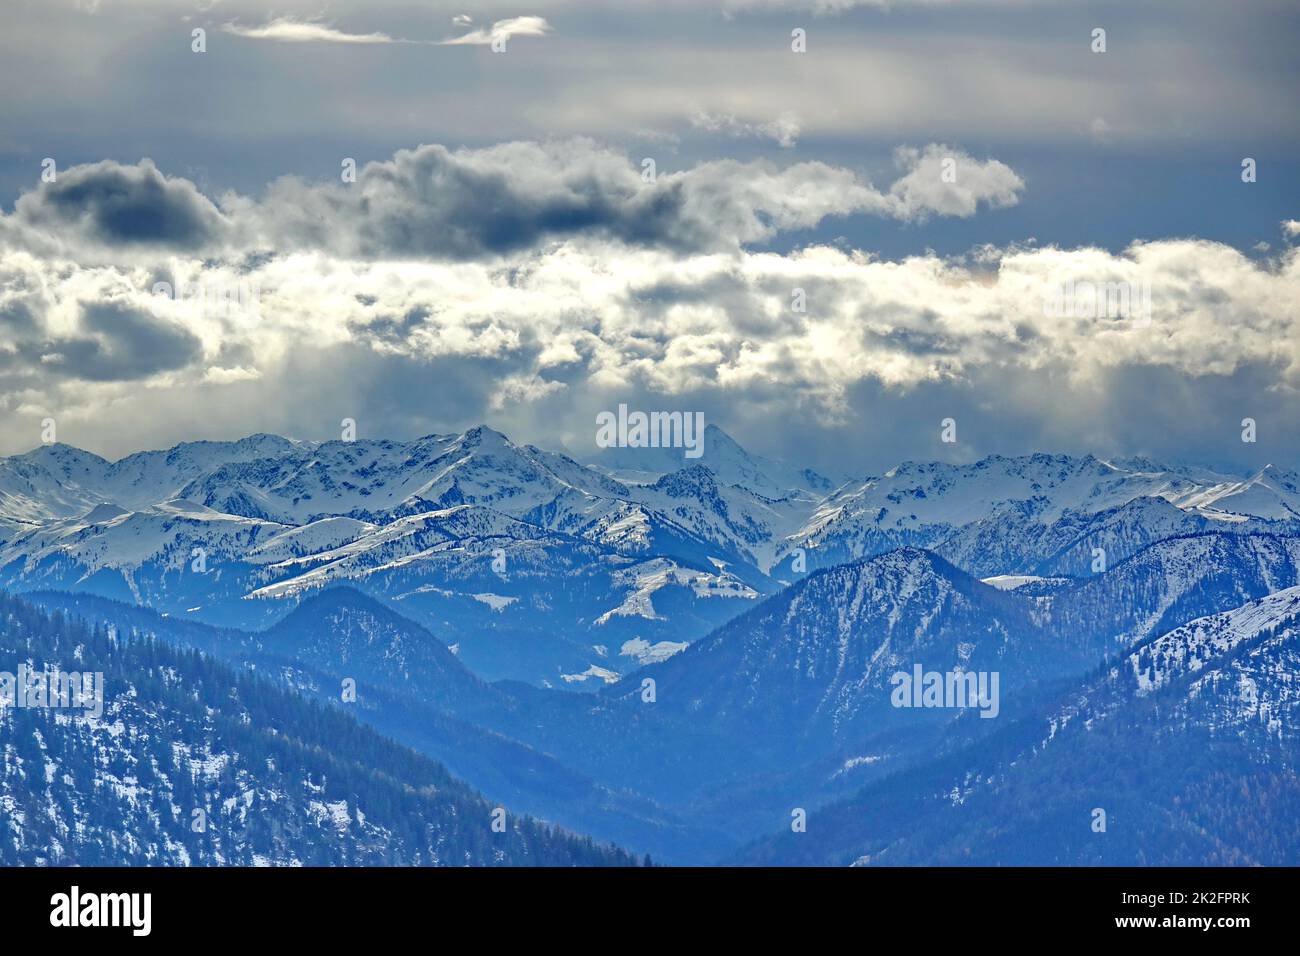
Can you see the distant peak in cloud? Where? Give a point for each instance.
(529, 26)
(289, 30)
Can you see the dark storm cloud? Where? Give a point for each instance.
(470, 204)
(465, 204)
(115, 204)
(116, 343)
(433, 202)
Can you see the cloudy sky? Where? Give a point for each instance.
(562, 205)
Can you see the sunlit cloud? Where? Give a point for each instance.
(501, 31)
(289, 30)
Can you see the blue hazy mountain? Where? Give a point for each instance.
(194, 763)
(1180, 752)
(786, 706)
(412, 689)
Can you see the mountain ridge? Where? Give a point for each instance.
(486, 541)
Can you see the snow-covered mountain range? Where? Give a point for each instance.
(469, 585)
(535, 566)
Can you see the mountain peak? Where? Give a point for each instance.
(911, 560)
(340, 625)
(485, 437)
(340, 595)
(103, 513)
(64, 454)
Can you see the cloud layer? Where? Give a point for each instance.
(289, 30)
(433, 202)
(501, 31)
(532, 284)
